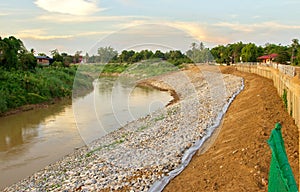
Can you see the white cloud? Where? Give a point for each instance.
(201, 32)
(43, 34)
(4, 14)
(194, 30)
(65, 18)
(40, 34)
(72, 7)
(255, 26)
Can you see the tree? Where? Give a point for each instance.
(10, 49)
(220, 53)
(249, 53)
(77, 56)
(42, 54)
(106, 54)
(27, 61)
(159, 54)
(56, 56)
(282, 57)
(295, 47)
(14, 55)
(67, 59)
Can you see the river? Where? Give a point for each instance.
(31, 140)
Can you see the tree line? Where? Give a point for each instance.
(240, 52)
(14, 55)
(110, 55)
(198, 53)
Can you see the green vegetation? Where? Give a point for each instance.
(109, 55)
(23, 82)
(113, 144)
(237, 52)
(13, 55)
(284, 98)
(159, 118)
(19, 88)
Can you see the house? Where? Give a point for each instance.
(268, 58)
(43, 60)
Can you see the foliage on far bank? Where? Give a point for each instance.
(18, 87)
(241, 52)
(109, 55)
(14, 55)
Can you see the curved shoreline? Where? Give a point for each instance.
(143, 151)
(152, 83)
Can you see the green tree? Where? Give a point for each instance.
(295, 46)
(106, 54)
(77, 56)
(282, 57)
(67, 59)
(13, 55)
(56, 56)
(249, 52)
(42, 54)
(159, 54)
(27, 61)
(10, 49)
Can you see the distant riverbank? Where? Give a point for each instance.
(25, 90)
(148, 149)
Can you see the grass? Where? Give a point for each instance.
(159, 118)
(113, 144)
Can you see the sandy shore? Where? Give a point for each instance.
(143, 154)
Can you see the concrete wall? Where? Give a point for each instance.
(284, 78)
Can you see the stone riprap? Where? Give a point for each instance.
(142, 152)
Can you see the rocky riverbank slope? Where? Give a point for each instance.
(137, 156)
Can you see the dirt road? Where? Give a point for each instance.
(239, 158)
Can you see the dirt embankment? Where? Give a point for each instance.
(239, 158)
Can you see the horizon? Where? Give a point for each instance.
(80, 25)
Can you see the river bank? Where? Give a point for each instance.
(144, 151)
(238, 157)
(26, 90)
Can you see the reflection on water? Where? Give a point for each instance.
(31, 140)
(116, 102)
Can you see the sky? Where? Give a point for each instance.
(85, 25)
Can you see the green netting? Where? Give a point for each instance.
(281, 177)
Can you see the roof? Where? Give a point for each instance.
(42, 57)
(271, 56)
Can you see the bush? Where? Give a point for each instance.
(19, 88)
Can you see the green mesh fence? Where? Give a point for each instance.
(281, 177)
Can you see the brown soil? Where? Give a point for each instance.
(238, 157)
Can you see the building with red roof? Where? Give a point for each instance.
(268, 58)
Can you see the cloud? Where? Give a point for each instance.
(201, 32)
(249, 28)
(72, 7)
(188, 30)
(40, 34)
(65, 18)
(4, 14)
